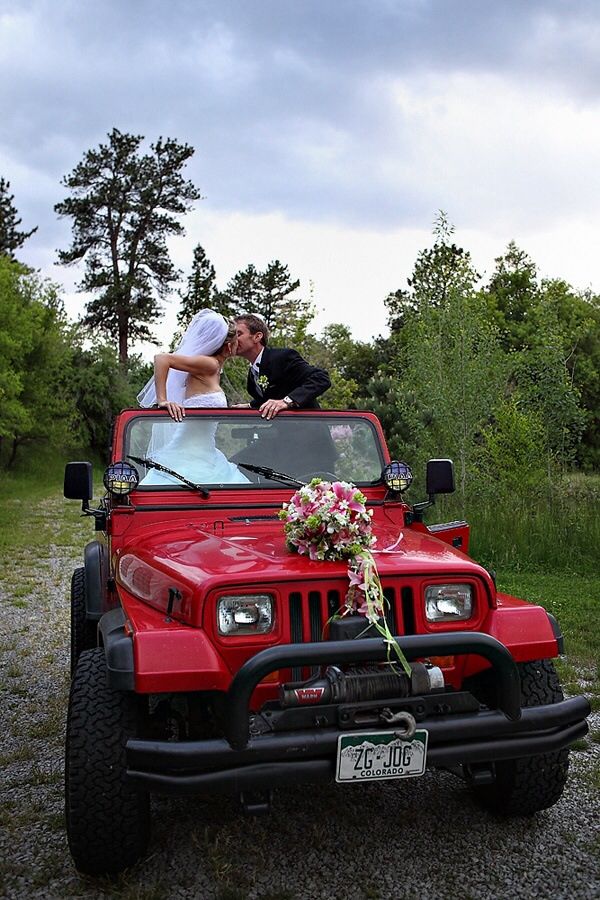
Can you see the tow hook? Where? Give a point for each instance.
(407, 723)
(256, 803)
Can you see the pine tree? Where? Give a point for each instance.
(200, 289)
(10, 236)
(124, 205)
(271, 294)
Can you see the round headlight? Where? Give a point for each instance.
(121, 478)
(397, 476)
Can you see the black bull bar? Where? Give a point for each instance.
(240, 761)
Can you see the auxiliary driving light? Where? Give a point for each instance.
(120, 478)
(245, 614)
(448, 602)
(397, 476)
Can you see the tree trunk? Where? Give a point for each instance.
(123, 338)
(13, 453)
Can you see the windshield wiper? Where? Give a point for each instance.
(151, 464)
(274, 476)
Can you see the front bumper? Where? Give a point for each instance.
(241, 761)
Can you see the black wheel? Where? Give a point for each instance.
(108, 822)
(525, 786)
(83, 632)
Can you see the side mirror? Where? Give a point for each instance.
(78, 481)
(440, 477)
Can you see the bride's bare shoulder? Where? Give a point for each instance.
(196, 365)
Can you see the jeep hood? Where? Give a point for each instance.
(192, 560)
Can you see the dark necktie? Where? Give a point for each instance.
(256, 375)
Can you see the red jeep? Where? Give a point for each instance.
(207, 656)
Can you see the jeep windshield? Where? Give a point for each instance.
(213, 449)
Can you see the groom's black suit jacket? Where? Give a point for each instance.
(289, 376)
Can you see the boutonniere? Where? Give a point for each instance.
(263, 382)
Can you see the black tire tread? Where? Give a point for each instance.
(83, 632)
(527, 785)
(108, 823)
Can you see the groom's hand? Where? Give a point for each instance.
(175, 410)
(270, 408)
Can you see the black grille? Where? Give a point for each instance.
(316, 619)
(310, 611)
(296, 627)
(390, 609)
(408, 610)
(334, 602)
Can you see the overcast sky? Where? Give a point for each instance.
(327, 132)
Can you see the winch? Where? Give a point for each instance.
(362, 684)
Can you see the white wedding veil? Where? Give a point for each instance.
(205, 334)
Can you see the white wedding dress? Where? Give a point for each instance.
(190, 448)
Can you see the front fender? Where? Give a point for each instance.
(169, 655)
(526, 630)
(118, 650)
(96, 573)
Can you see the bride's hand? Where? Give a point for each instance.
(175, 410)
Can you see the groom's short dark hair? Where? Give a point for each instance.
(255, 324)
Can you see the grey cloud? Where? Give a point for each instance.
(282, 100)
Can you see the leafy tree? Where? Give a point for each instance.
(351, 365)
(124, 205)
(508, 452)
(554, 335)
(200, 292)
(16, 337)
(511, 294)
(355, 360)
(543, 380)
(574, 322)
(454, 376)
(35, 345)
(10, 236)
(444, 369)
(100, 388)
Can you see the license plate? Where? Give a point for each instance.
(380, 754)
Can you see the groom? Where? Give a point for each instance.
(278, 378)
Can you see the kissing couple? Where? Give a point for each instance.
(278, 378)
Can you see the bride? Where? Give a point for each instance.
(190, 378)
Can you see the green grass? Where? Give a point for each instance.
(550, 537)
(555, 532)
(23, 490)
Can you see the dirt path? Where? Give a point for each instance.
(421, 840)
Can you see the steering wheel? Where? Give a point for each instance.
(319, 473)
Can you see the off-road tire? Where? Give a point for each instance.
(108, 822)
(527, 785)
(83, 632)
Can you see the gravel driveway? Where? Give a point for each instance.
(423, 839)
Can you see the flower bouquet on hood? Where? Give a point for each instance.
(330, 521)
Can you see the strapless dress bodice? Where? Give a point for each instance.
(213, 399)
